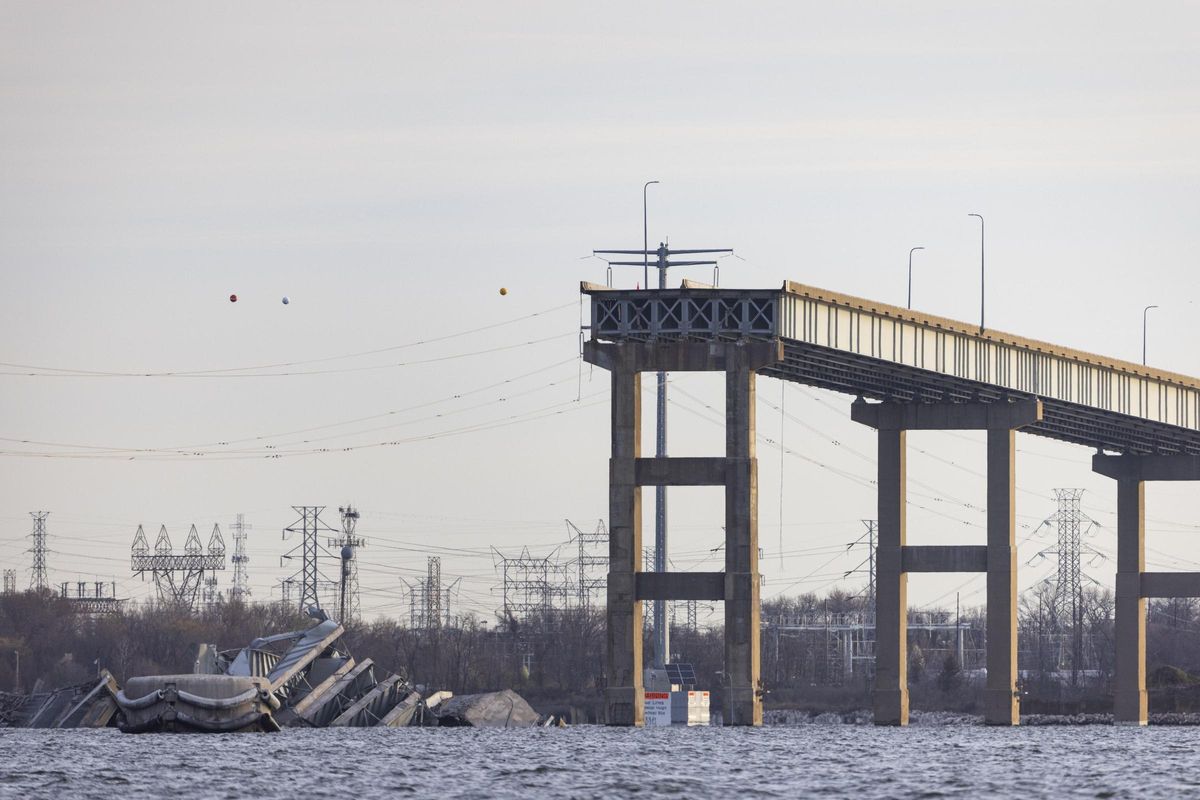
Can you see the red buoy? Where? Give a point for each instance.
(233, 298)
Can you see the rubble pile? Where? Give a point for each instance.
(298, 679)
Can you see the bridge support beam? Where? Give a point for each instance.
(739, 585)
(624, 696)
(1134, 584)
(1000, 701)
(894, 558)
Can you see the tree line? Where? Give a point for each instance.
(556, 657)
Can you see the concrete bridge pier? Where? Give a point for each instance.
(895, 558)
(624, 694)
(1134, 584)
(736, 471)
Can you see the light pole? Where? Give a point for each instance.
(982, 281)
(645, 239)
(17, 678)
(910, 252)
(1145, 311)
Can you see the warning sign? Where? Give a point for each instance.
(658, 708)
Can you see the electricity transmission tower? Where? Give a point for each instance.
(1068, 587)
(870, 539)
(10, 582)
(210, 595)
(177, 578)
(527, 585)
(592, 562)
(310, 577)
(429, 599)
(239, 591)
(38, 581)
(662, 262)
(347, 544)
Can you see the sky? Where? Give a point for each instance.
(389, 167)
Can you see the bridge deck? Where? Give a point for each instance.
(883, 352)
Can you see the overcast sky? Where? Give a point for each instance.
(389, 167)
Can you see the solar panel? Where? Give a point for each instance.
(681, 674)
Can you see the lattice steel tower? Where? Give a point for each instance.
(239, 592)
(528, 590)
(177, 578)
(38, 581)
(592, 562)
(10, 582)
(429, 599)
(1068, 586)
(311, 579)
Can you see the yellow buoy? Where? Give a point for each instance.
(503, 291)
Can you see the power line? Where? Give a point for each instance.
(219, 373)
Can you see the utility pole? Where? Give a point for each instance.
(662, 255)
(982, 273)
(38, 581)
(348, 544)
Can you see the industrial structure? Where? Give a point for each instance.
(178, 578)
(92, 598)
(906, 371)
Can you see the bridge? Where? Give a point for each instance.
(906, 371)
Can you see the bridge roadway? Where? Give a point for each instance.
(907, 371)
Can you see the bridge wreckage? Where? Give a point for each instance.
(298, 679)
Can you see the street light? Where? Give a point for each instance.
(645, 240)
(982, 283)
(1145, 311)
(910, 252)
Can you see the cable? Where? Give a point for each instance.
(75, 373)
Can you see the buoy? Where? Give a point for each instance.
(503, 291)
(233, 298)
(285, 300)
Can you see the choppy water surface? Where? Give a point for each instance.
(800, 761)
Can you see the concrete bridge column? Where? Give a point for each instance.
(891, 583)
(737, 471)
(1000, 701)
(1134, 584)
(1129, 701)
(624, 696)
(895, 558)
(743, 694)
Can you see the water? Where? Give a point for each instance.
(794, 762)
